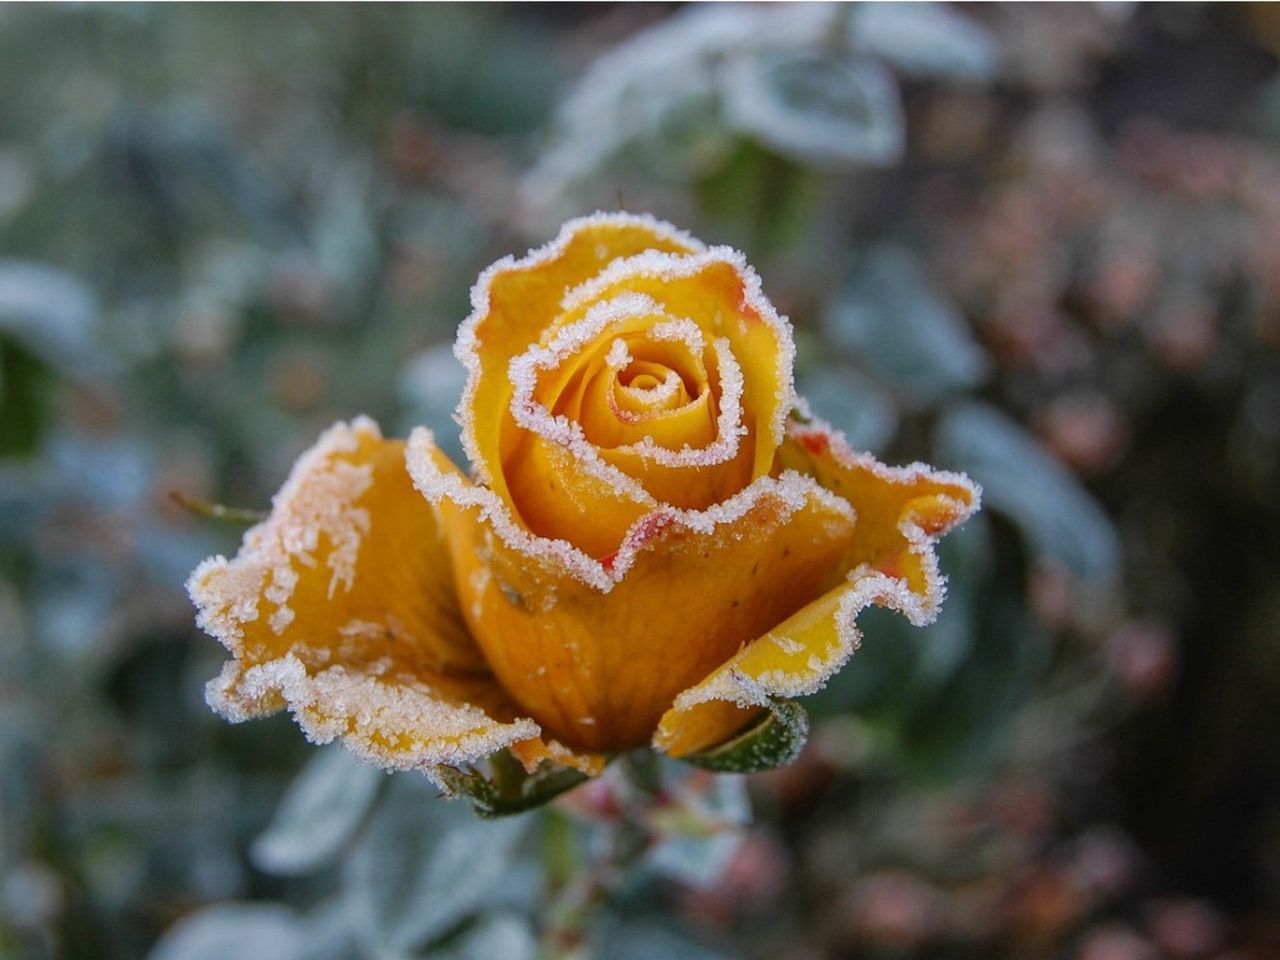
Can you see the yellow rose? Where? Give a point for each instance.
(654, 544)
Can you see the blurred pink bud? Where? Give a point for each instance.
(1143, 656)
(1086, 429)
(895, 909)
(1104, 862)
(1116, 943)
(1185, 928)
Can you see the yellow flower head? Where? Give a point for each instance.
(655, 540)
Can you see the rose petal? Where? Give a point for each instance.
(340, 606)
(515, 302)
(720, 293)
(597, 669)
(896, 506)
(890, 561)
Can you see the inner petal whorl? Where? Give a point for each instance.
(676, 409)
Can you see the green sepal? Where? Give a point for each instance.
(508, 789)
(772, 741)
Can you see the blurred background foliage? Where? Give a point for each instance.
(1040, 243)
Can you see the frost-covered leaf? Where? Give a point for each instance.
(652, 939)
(817, 108)
(702, 829)
(659, 93)
(772, 741)
(423, 865)
(694, 861)
(51, 312)
(504, 936)
(851, 403)
(1019, 477)
(926, 39)
(889, 318)
(329, 933)
(233, 931)
(319, 812)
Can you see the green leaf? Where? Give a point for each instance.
(913, 340)
(424, 865)
(25, 383)
(509, 789)
(52, 313)
(319, 813)
(773, 741)
(926, 40)
(1022, 479)
(232, 930)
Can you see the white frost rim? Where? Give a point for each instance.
(653, 264)
(791, 489)
(466, 346)
(534, 416)
(320, 497)
(337, 704)
(864, 586)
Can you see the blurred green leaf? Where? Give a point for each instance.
(926, 39)
(501, 936)
(423, 865)
(653, 939)
(51, 313)
(850, 402)
(888, 317)
(1020, 478)
(24, 387)
(815, 108)
(701, 829)
(233, 930)
(318, 814)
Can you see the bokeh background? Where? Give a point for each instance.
(1040, 243)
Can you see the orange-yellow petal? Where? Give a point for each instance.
(896, 506)
(514, 303)
(721, 294)
(340, 606)
(598, 667)
(889, 561)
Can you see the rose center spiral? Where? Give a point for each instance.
(634, 388)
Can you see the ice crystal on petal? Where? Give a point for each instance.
(776, 666)
(466, 347)
(318, 500)
(360, 678)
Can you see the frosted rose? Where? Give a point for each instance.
(652, 545)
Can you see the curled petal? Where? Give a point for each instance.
(340, 607)
(620, 368)
(515, 302)
(597, 668)
(889, 561)
(719, 292)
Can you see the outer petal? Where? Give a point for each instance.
(890, 561)
(341, 607)
(598, 668)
